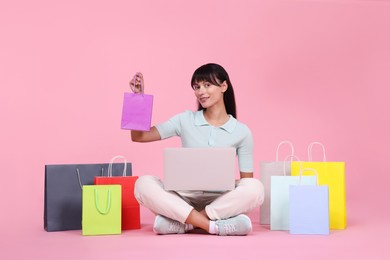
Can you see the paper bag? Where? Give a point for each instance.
(309, 209)
(268, 169)
(137, 109)
(331, 174)
(101, 210)
(130, 206)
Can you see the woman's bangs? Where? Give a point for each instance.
(206, 76)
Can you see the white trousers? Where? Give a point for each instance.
(150, 193)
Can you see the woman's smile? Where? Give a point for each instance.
(203, 99)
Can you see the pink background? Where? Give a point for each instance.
(302, 71)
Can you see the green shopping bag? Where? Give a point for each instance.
(102, 210)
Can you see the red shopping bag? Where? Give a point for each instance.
(130, 206)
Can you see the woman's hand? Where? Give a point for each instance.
(246, 175)
(137, 86)
(137, 83)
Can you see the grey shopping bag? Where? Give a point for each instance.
(62, 198)
(268, 169)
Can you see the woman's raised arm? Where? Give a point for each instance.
(145, 136)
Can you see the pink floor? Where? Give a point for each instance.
(367, 237)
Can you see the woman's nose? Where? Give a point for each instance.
(201, 89)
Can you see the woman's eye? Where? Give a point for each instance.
(207, 85)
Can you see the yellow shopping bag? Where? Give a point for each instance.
(333, 175)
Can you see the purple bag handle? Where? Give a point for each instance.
(309, 170)
(132, 86)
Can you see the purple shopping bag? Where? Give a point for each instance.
(137, 107)
(309, 208)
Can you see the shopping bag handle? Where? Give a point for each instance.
(109, 173)
(308, 170)
(79, 179)
(134, 81)
(309, 151)
(291, 157)
(107, 209)
(280, 144)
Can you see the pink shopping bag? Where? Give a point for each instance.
(137, 107)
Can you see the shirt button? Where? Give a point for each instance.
(212, 137)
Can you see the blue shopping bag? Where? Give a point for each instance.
(279, 204)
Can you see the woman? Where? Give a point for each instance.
(216, 213)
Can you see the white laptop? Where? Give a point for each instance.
(206, 169)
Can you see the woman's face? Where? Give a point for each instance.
(208, 94)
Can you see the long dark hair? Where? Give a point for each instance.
(216, 75)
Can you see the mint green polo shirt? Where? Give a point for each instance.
(195, 131)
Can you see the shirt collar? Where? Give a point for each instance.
(228, 126)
